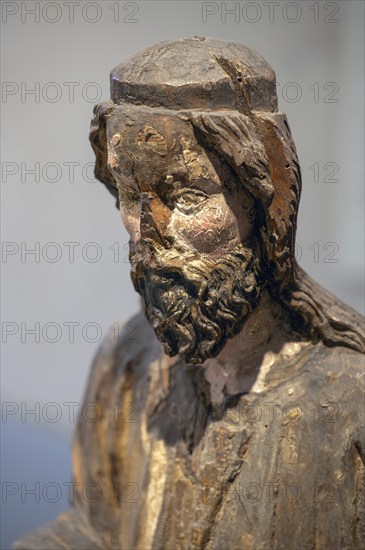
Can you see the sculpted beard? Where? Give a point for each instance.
(193, 303)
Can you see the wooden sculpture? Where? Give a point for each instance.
(234, 416)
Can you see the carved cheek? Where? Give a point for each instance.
(211, 229)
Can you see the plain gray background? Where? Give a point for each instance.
(316, 49)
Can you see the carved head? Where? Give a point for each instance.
(208, 183)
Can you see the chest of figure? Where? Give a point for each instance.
(266, 473)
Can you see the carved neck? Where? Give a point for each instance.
(246, 359)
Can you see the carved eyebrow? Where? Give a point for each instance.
(185, 178)
(206, 187)
(205, 184)
(188, 189)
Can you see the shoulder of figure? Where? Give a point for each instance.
(342, 362)
(336, 382)
(128, 347)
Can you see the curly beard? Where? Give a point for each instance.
(193, 303)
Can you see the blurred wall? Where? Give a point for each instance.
(56, 59)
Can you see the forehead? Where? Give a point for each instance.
(150, 143)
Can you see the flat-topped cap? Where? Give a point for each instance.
(196, 73)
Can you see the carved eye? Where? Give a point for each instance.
(190, 201)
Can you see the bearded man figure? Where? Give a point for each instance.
(235, 416)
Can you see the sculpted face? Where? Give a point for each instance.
(193, 149)
(194, 258)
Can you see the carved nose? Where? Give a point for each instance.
(149, 230)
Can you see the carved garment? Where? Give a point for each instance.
(274, 470)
